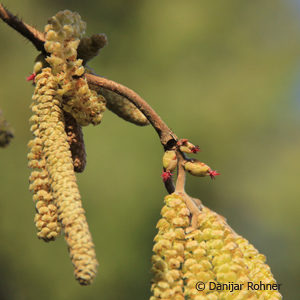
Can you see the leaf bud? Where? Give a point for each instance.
(198, 168)
(187, 147)
(170, 160)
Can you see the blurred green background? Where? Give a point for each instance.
(224, 74)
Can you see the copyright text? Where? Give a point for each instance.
(231, 286)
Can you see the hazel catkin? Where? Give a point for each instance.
(59, 165)
(211, 253)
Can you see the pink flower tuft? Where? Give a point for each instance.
(166, 175)
(213, 173)
(31, 77)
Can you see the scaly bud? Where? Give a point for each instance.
(170, 160)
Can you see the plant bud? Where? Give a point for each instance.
(197, 168)
(170, 160)
(200, 169)
(187, 147)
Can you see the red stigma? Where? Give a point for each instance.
(195, 149)
(31, 77)
(213, 173)
(166, 175)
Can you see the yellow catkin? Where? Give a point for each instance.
(214, 254)
(63, 35)
(216, 247)
(169, 250)
(59, 165)
(46, 217)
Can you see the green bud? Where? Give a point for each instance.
(170, 160)
(197, 168)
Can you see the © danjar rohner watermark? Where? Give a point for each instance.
(231, 286)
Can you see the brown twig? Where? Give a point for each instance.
(193, 204)
(33, 35)
(180, 183)
(167, 137)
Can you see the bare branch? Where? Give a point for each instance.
(33, 35)
(180, 183)
(167, 137)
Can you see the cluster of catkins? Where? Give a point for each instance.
(62, 103)
(192, 262)
(184, 254)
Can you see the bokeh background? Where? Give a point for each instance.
(224, 74)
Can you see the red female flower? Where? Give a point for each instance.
(166, 175)
(213, 173)
(31, 77)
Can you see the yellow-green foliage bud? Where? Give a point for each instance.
(197, 168)
(213, 254)
(170, 160)
(40, 63)
(59, 165)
